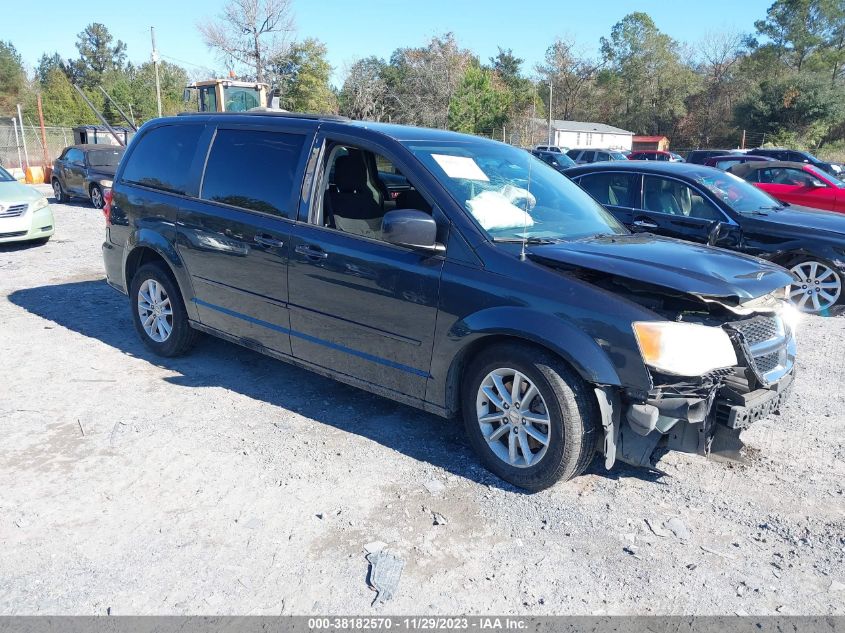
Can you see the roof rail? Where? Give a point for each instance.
(278, 113)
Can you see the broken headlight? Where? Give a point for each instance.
(684, 349)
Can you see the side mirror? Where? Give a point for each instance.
(817, 184)
(715, 233)
(411, 228)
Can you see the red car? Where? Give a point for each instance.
(796, 183)
(654, 154)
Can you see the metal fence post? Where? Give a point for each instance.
(23, 136)
(17, 142)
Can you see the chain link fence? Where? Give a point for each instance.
(24, 147)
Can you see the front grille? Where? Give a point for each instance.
(15, 234)
(758, 329)
(14, 211)
(767, 346)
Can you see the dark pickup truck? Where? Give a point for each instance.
(489, 286)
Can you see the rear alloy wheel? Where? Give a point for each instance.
(158, 311)
(97, 197)
(58, 193)
(818, 288)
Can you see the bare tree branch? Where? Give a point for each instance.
(250, 33)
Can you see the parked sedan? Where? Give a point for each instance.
(700, 156)
(706, 205)
(796, 156)
(795, 183)
(85, 171)
(556, 160)
(726, 162)
(583, 156)
(653, 154)
(25, 214)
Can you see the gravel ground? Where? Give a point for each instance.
(226, 482)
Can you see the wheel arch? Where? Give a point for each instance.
(571, 345)
(149, 247)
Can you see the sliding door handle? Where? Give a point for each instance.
(312, 252)
(265, 240)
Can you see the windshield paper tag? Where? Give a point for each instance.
(460, 167)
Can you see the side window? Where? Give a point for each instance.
(785, 176)
(663, 195)
(621, 190)
(74, 156)
(587, 157)
(253, 170)
(601, 157)
(162, 158)
(355, 196)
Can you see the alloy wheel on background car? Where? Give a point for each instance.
(155, 310)
(513, 417)
(97, 197)
(57, 190)
(818, 287)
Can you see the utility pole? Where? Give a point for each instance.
(551, 93)
(155, 64)
(743, 140)
(17, 141)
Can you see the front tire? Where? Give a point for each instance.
(818, 287)
(529, 417)
(158, 312)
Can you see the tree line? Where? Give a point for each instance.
(782, 83)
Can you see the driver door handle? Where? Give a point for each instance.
(311, 252)
(645, 224)
(268, 241)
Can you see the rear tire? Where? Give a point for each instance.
(96, 196)
(557, 394)
(158, 312)
(59, 194)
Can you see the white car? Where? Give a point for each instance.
(25, 214)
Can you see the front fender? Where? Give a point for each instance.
(586, 356)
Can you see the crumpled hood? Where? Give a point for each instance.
(681, 266)
(814, 219)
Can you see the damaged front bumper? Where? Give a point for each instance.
(703, 415)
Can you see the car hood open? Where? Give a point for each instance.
(702, 271)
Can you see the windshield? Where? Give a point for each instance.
(738, 194)
(513, 195)
(104, 157)
(5, 176)
(824, 176)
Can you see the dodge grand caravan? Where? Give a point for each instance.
(483, 283)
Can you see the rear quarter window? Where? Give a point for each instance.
(253, 170)
(162, 158)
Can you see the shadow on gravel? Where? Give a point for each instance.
(95, 310)
(12, 247)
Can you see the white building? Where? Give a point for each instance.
(586, 134)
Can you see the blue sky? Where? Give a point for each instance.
(370, 27)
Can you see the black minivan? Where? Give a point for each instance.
(488, 284)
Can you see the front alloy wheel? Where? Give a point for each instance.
(155, 311)
(513, 418)
(818, 287)
(58, 194)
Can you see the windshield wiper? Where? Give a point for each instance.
(527, 240)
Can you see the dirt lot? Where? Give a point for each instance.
(227, 482)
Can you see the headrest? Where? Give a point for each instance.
(350, 172)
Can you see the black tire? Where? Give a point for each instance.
(59, 194)
(95, 195)
(571, 406)
(182, 336)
